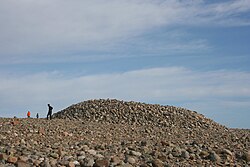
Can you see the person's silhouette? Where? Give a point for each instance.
(49, 115)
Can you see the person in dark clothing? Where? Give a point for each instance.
(37, 115)
(49, 115)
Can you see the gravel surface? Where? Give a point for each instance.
(117, 133)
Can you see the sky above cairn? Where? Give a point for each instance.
(193, 54)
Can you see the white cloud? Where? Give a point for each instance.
(176, 85)
(43, 29)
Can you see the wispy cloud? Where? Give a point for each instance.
(44, 29)
(177, 85)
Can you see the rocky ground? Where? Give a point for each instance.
(117, 133)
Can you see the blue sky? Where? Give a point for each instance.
(193, 54)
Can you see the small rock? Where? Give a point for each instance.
(214, 157)
(53, 162)
(157, 163)
(99, 156)
(25, 153)
(144, 165)
(143, 143)
(23, 158)
(61, 152)
(65, 134)
(228, 152)
(21, 163)
(85, 147)
(115, 160)
(185, 154)
(12, 159)
(82, 157)
(134, 153)
(192, 156)
(54, 155)
(130, 160)
(81, 153)
(41, 131)
(92, 152)
(176, 152)
(63, 162)
(101, 163)
(45, 163)
(127, 165)
(37, 162)
(170, 156)
(88, 162)
(71, 164)
(15, 122)
(10, 151)
(246, 156)
(204, 154)
(162, 157)
(3, 157)
(76, 163)
(68, 158)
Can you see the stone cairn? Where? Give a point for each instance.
(110, 132)
(116, 111)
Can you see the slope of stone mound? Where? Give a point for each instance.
(116, 111)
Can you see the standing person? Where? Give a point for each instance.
(49, 112)
(28, 114)
(37, 115)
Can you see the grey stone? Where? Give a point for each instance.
(134, 153)
(89, 162)
(130, 160)
(228, 152)
(214, 157)
(185, 154)
(91, 152)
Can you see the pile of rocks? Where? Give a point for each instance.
(115, 111)
(116, 133)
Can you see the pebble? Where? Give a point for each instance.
(157, 163)
(185, 154)
(12, 159)
(134, 153)
(20, 163)
(54, 155)
(247, 156)
(71, 164)
(82, 157)
(228, 152)
(3, 156)
(214, 157)
(101, 163)
(204, 154)
(89, 162)
(45, 164)
(76, 163)
(130, 160)
(91, 152)
(115, 160)
(99, 156)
